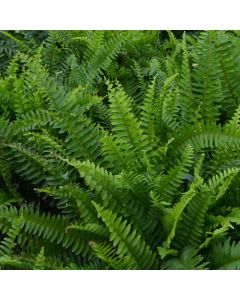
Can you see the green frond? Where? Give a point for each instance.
(171, 219)
(148, 112)
(107, 254)
(5, 129)
(9, 242)
(31, 165)
(190, 229)
(90, 231)
(52, 228)
(33, 120)
(173, 215)
(126, 129)
(170, 109)
(186, 99)
(211, 136)
(11, 263)
(189, 259)
(113, 156)
(228, 59)
(100, 114)
(27, 164)
(39, 263)
(94, 65)
(83, 138)
(97, 178)
(94, 40)
(226, 255)
(93, 265)
(128, 244)
(217, 233)
(56, 50)
(137, 71)
(234, 122)
(167, 186)
(207, 83)
(155, 113)
(72, 200)
(219, 183)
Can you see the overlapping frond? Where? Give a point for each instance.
(116, 146)
(128, 242)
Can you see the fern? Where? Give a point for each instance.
(94, 65)
(191, 231)
(71, 200)
(207, 85)
(8, 243)
(119, 150)
(186, 99)
(171, 219)
(40, 261)
(129, 244)
(188, 260)
(225, 255)
(97, 178)
(126, 129)
(108, 254)
(169, 184)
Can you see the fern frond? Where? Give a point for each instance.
(97, 178)
(211, 136)
(190, 229)
(108, 254)
(93, 265)
(72, 200)
(102, 58)
(188, 260)
(83, 139)
(32, 166)
(207, 83)
(148, 112)
(228, 58)
(51, 228)
(31, 121)
(170, 109)
(126, 129)
(12, 263)
(186, 99)
(171, 219)
(39, 263)
(169, 184)
(128, 244)
(226, 255)
(9, 242)
(90, 231)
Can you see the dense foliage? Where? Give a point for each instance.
(119, 150)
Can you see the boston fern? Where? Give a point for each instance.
(119, 150)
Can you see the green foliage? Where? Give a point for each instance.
(128, 243)
(188, 260)
(40, 261)
(225, 255)
(119, 150)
